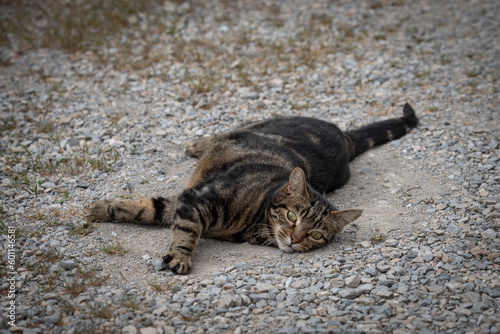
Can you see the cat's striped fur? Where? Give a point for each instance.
(262, 184)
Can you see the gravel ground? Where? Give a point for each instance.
(114, 121)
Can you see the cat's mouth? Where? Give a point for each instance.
(290, 248)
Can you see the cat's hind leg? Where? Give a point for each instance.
(150, 211)
(198, 147)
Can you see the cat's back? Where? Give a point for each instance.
(285, 130)
(273, 148)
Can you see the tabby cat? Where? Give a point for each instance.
(263, 184)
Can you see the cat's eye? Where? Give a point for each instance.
(316, 235)
(291, 216)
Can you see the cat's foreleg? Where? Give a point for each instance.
(185, 236)
(150, 211)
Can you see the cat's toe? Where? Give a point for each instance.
(179, 263)
(97, 211)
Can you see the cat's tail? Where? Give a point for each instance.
(371, 135)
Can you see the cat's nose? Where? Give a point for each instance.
(294, 239)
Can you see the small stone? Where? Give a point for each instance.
(365, 301)
(68, 264)
(227, 301)
(160, 310)
(484, 192)
(243, 266)
(300, 284)
(462, 311)
(262, 288)
(441, 206)
(437, 289)
(454, 286)
(366, 244)
(149, 330)
(489, 234)
(402, 288)
(383, 268)
(159, 265)
(350, 293)
(412, 253)
(384, 293)
(471, 297)
(478, 251)
(372, 271)
(352, 281)
(82, 184)
(453, 229)
(250, 95)
(129, 330)
(48, 185)
(493, 256)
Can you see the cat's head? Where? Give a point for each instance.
(300, 222)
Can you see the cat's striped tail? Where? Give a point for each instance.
(371, 135)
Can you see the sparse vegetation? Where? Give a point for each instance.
(378, 239)
(160, 286)
(114, 248)
(73, 26)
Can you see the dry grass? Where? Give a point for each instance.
(147, 38)
(69, 25)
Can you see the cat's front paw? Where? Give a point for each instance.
(177, 262)
(98, 211)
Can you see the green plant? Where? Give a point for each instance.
(160, 287)
(114, 248)
(129, 301)
(74, 286)
(378, 239)
(82, 228)
(90, 276)
(51, 255)
(101, 309)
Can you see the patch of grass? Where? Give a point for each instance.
(160, 287)
(83, 228)
(52, 217)
(378, 239)
(4, 228)
(39, 268)
(91, 277)
(74, 286)
(68, 306)
(101, 309)
(428, 200)
(45, 126)
(300, 106)
(51, 255)
(203, 83)
(114, 248)
(473, 73)
(69, 25)
(73, 163)
(7, 123)
(130, 301)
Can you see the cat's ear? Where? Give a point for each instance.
(297, 183)
(344, 217)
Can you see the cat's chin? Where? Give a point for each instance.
(290, 249)
(285, 248)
